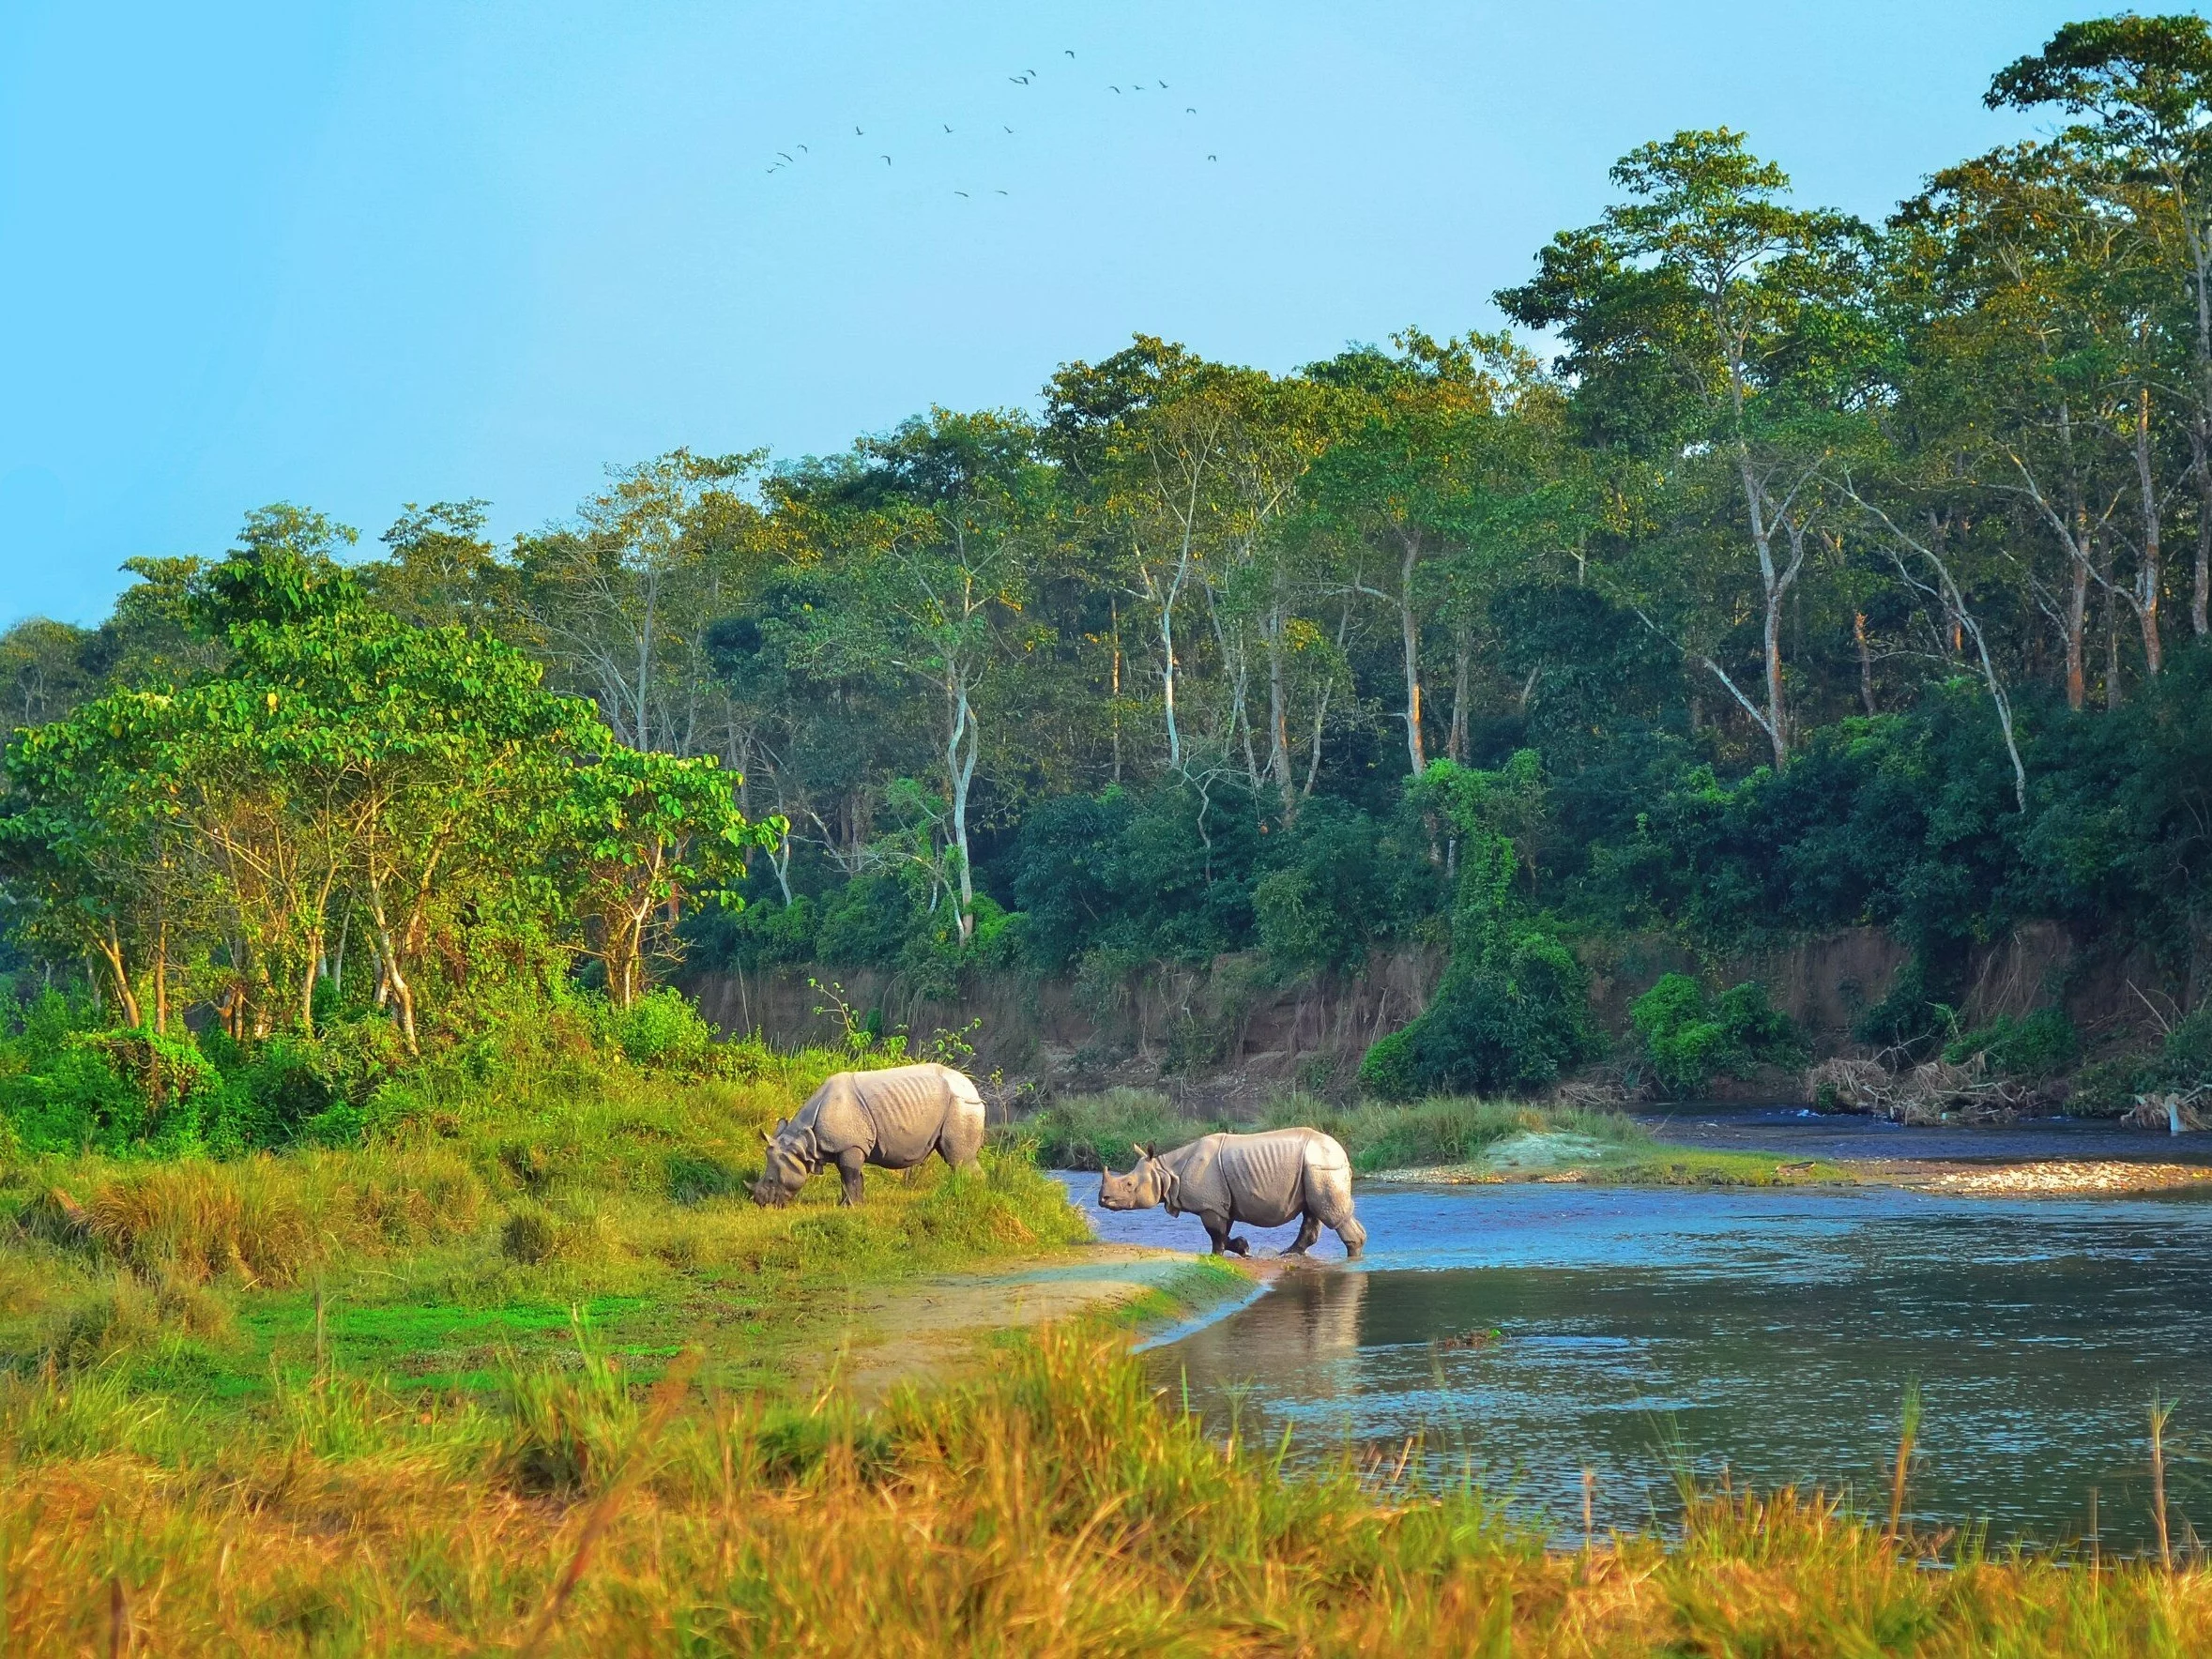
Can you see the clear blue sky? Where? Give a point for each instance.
(355, 255)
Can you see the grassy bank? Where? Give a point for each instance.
(1056, 1507)
(463, 1243)
(1471, 1138)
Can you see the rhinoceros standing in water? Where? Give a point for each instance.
(1260, 1179)
(892, 1119)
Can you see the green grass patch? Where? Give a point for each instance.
(508, 1208)
(1663, 1165)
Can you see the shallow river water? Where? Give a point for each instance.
(1769, 1333)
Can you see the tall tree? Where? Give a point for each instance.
(1706, 319)
(2146, 84)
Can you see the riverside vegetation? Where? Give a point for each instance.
(523, 1370)
(374, 1273)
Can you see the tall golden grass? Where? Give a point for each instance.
(1056, 1507)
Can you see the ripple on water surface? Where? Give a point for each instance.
(1771, 1332)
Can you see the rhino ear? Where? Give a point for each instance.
(768, 1137)
(1151, 1149)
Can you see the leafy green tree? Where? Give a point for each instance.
(1708, 322)
(441, 570)
(623, 597)
(2145, 84)
(643, 835)
(43, 671)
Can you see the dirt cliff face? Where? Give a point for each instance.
(1235, 1026)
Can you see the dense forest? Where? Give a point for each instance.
(1784, 572)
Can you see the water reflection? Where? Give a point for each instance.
(1302, 1337)
(1772, 1331)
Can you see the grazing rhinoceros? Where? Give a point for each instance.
(1261, 1180)
(892, 1119)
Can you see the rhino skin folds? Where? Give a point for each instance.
(892, 1119)
(1260, 1179)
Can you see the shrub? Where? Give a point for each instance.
(1387, 1069)
(2183, 1061)
(530, 1237)
(1690, 1038)
(661, 1028)
(693, 1177)
(190, 1223)
(2039, 1045)
(1513, 1020)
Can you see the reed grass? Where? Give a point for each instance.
(1056, 1506)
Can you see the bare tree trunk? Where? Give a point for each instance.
(1858, 635)
(1321, 711)
(960, 768)
(111, 950)
(1167, 685)
(1777, 590)
(2112, 649)
(2078, 546)
(2200, 593)
(1462, 658)
(395, 979)
(2151, 578)
(2077, 624)
(1410, 635)
(1278, 715)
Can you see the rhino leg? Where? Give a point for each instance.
(1217, 1229)
(1309, 1229)
(1328, 1202)
(850, 1164)
(1353, 1234)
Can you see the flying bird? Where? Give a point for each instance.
(803, 151)
(1070, 53)
(1113, 89)
(887, 160)
(998, 192)
(1190, 112)
(1019, 79)
(1009, 130)
(1209, 158)
(962, 193)
(948, 129)
(785, 156)
(856, 132)
(1162, 83)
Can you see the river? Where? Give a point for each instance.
(1766, 1333)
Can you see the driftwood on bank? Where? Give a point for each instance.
(1933, 1091)
(2177, 1111)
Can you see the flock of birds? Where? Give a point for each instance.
(786, 160)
